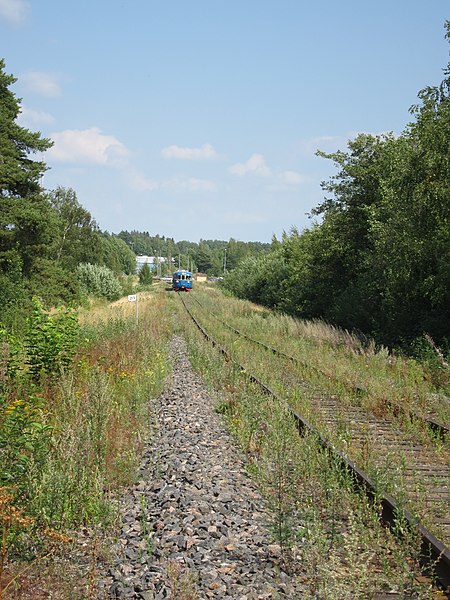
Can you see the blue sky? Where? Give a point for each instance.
(200, 118)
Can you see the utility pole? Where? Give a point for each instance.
(224, 260)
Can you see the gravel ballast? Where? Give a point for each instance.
(194, 524)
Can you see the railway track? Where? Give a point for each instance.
(424, 475)
(438, 428)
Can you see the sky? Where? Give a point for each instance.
(200, 119)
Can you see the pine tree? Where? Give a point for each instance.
(25, 214)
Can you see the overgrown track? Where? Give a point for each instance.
(440, 429)
(425, 476)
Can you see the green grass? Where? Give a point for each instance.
(330, 536)
(342, 357)
(80, 442)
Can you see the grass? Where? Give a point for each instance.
(306, 389)
(340, 356)
(317, 518)
(96, 416)
(85, 431)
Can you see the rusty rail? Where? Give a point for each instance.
(440, 429)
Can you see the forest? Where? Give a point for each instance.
(376, 258)
(212, 257)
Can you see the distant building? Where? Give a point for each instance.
(201, 277)
(151, 261)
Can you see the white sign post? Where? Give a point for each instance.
(134, 298)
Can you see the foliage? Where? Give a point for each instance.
(43, 237)
(127, 284)
(31, 226)
(204, 259)
(116, 255)
(258, 278)
(76, 240)
(379, 259)
(51, 341)
(207, 256)
(99, 281)
(68, 443)
(24, 438)
(10, 357)
(19, 175)
(54, 284)
(432, 359)
(12, 286)
(145, 275)
(26, 220)
(100, 414)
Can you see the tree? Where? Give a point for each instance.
(412, 233)
(75, 241)
(27, 221)
(115, 254)
(19, 175)
(379, 260)
(203, 258)
(145, 275)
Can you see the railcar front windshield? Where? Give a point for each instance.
(182, 275)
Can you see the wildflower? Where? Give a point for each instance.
(57, 536)
(12, 406)
(11, 514)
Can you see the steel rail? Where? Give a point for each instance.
(434, 555)
(437, 427)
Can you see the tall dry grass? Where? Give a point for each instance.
(337, 358)
(96, 416)
(330, 536)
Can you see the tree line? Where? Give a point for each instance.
(212, 257)
(377, 256)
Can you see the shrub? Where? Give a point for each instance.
(99, 281)
(257, 278)
(51, 340)
(127, 284)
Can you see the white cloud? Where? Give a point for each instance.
(206, 152)
(13, 11)
(36, 117)
(88, 146)
(255, 165)
(191, 184)
(41, 83)
(140, 183)
(293, 178)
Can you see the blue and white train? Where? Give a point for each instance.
(182, 281)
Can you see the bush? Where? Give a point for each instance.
(54, 284)
(258, 279)
(51, 340)
(128, 284)
(99, 281)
